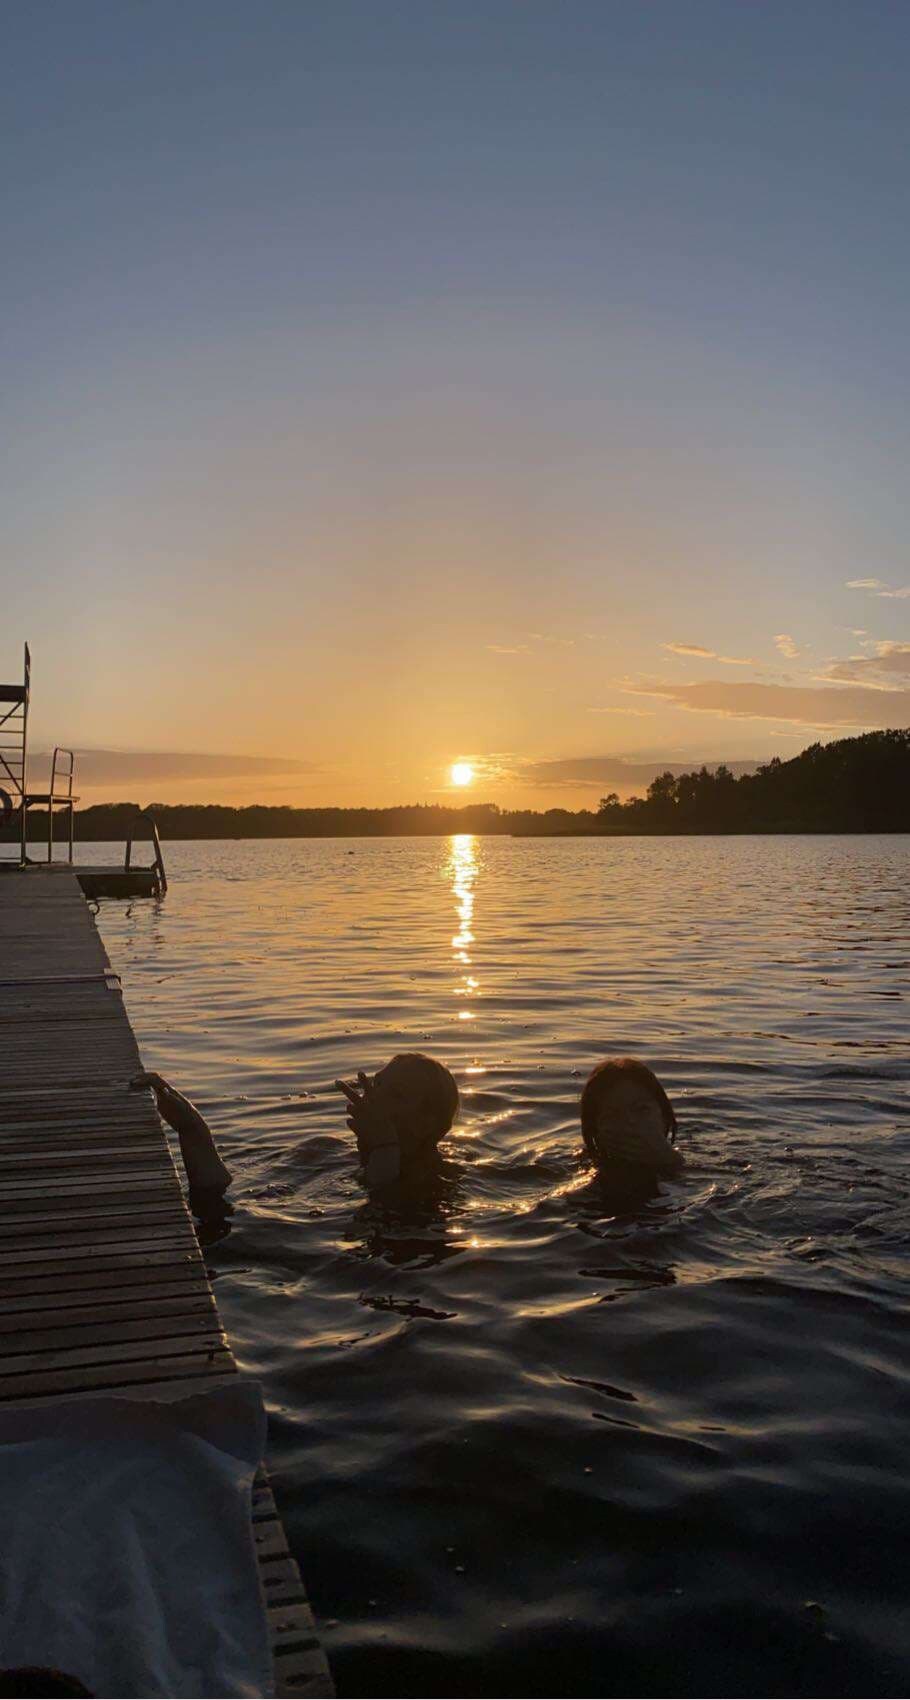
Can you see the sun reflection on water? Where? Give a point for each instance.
(462, 867)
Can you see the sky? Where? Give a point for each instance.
(390, 384)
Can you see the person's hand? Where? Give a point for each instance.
(140, 1081)
(370, 1123)
(646, 1146)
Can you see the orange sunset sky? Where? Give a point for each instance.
(394, 386)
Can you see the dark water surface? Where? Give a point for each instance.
(522, 1448)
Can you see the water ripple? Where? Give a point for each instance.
(522, 1444)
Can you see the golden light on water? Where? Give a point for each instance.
(462, 773)
(462, 868)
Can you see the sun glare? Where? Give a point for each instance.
(462, 773)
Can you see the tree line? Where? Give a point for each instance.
(852, 785)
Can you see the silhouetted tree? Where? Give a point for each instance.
(853, 785)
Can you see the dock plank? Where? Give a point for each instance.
(14, 1222)
(33, 1320)
(103, 1286)
(66, 1286)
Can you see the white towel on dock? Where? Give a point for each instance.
(126, 1546)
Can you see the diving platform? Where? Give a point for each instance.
(104, 1289)
(57, 803)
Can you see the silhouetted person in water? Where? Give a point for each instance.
(629, 1126)
(398, 1119)
(40, 1681)
(207, 1176)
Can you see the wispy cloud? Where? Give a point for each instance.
(640, 713)
(898, 593)
(704, 654)
(534, 640)
(822, 706)
(787, 646)
(889, 664)
(108, 767)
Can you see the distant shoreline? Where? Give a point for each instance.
(856, 785)
(352, 834)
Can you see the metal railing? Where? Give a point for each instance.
(158, 863)
(62, 798)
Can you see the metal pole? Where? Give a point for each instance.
(50, 810)
(23, 852)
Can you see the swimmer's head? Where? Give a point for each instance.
(420, 1097)
(627, 1118)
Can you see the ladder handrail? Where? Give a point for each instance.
(65, 799)
(67, 778)
(145, 814)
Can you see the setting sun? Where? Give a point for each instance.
(462, 773)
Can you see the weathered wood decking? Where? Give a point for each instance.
(103, 1284)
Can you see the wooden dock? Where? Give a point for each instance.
(104, 1287)
(117, 882)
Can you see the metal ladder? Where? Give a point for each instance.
(158, 864)
(14, 791)
(14, 750)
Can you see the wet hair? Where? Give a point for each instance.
(39, 1680)
(611, 1073)
(437, 1089)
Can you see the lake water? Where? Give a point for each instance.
(522, 1447)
